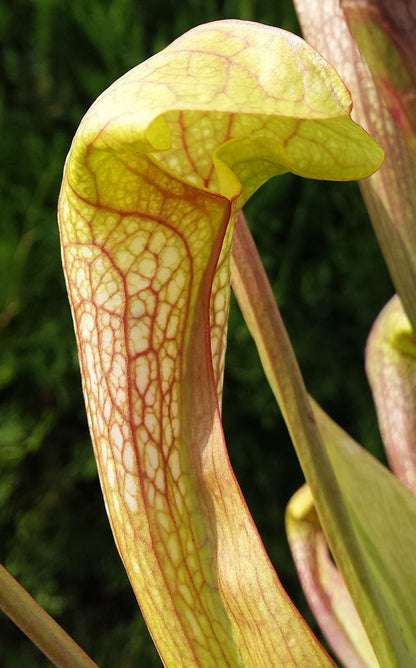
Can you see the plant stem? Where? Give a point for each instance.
(303, 419)
(258, 305)
(39, 626)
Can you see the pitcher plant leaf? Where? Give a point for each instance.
(157, 172)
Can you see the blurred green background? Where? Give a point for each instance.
(318, 249)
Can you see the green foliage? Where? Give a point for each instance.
(317, 246)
